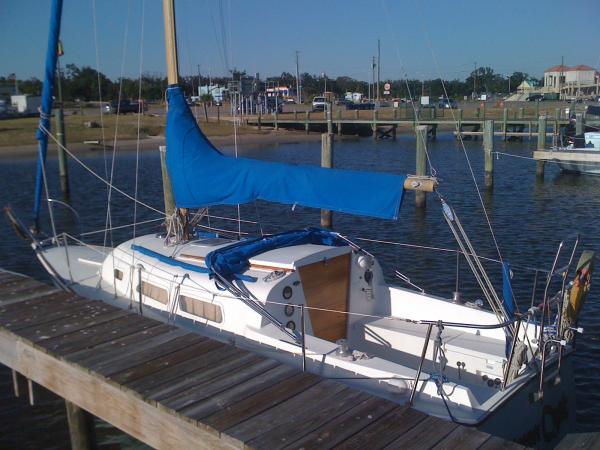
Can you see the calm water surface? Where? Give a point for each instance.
(529, 217)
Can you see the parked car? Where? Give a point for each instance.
(535, 98)
(319, 104)
(447, 103)
(275, 103)
(125, 106)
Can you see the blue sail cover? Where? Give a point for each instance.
(202, 176)
(233, 260)
(46, 108)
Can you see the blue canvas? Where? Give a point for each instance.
(202, 176)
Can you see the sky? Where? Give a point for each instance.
(419, 39)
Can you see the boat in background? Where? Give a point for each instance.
(585, 151)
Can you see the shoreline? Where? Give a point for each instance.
(271, 137)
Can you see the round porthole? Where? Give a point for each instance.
(287, 292)
(289, 310)
(291, 325)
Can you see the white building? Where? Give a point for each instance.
(26, 104)
(576, 81)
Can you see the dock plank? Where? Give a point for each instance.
(310, 401)
(101, 350)
(155, 363)
(119, 355)
(462, 437)
(345, 425)
(173, 374)
(236, 393)
(226, 380)
(106, 400)
(220, 368)
(580, 441)
(174, 389)
(382, 432)
(20, 290)
(97, 334)
(302, 421)
(37, 311)
(496, 443)
(79, 320)
(260, 402)
(145, 352)
(425, 435)
(6, 276)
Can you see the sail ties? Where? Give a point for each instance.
(474, 263)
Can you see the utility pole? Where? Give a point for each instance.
(199, 80)
(298, 94)
(373, 75)
(474, 77)
(378, 66)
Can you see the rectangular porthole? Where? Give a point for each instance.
(155, 293)
(118, 274)
(201, 308)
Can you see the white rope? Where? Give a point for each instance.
(139, 118)
(99, 86)
(544, 160)
(118, 114)
(50, 209)
(388, 16)
(90, 170)
(89, 233)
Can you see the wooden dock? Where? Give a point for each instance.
(170, 388)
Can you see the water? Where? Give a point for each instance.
(529, 218)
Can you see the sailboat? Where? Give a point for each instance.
(314, 299)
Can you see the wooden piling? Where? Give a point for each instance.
(504, 119)
(521, 113)
(63, 168)
(326, 161)
(459, 125)
(81, 427)
(488, 148)
(541, 144)
(483, 110)
(306, 124)
(275, 118)
(421, 163)
(579, 124)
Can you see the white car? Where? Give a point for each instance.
(319, 104)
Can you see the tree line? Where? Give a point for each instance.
(87, 84)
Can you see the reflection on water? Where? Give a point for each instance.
(529, 217)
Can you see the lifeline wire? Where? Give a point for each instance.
(112, 165)
(90, 170)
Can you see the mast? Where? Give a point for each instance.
(173, 213)
(170, 42)
(46, 108)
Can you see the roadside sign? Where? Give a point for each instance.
(387, 86)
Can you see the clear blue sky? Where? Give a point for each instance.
(421, 39)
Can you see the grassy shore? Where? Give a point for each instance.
(17, 132)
